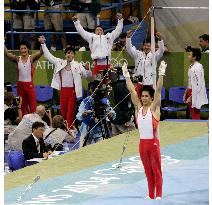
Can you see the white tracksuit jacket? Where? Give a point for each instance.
(196, 82)
(100, 45)
(77, 70)
(143, 62)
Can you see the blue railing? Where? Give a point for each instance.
(118, 6)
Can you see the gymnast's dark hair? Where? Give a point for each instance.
(100, 27)
(37, 124)
(148, 40)
(24, 43)
(195, 52)
(149, 89)
(70, 48)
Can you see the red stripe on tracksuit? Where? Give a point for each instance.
(26, 91)
(151, 159)
(68, 104)
(194, 112)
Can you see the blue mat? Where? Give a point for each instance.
(185, 174)
(184, 185)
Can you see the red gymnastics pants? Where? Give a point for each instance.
(26, 91)
(98, 68)
(68, 104)
(151, 160)
(194, 112)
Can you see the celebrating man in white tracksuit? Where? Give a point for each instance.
(143, 60)
(99, 43)
(67, 78)
(195, 95)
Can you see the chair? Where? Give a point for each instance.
(70, 146)
(207, 92)
(205, 108)
(176, 98)
(44, 93)
(16, 160)
(163, 94)
(14, 90)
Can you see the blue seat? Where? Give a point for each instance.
(56, 107)
(205, 108)
(207, 92)
(16, 160)
(73, 145)
(176, 98)
(163, 94)
(14, 90)
(44, 93)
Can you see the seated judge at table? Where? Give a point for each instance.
(34, 146)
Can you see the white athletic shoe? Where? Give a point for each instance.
(147, 197)
(158, 198)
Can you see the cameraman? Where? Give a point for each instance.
(124, 109)
(91, 130)
(121, 43)
(12, 114)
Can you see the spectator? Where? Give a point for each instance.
(23, 130)
(121, 44)
(143, 60)
(67, 78)
(91, 128)
(204, 43)
(54, 22)
(195, 95)
(25, 70)
(24, 21)
(55, 135)
(12, 114)
(33, 146)
(99, 43)
(87, 19)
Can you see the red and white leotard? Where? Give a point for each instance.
(147, 125)
(149, 148)
(25, 70)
